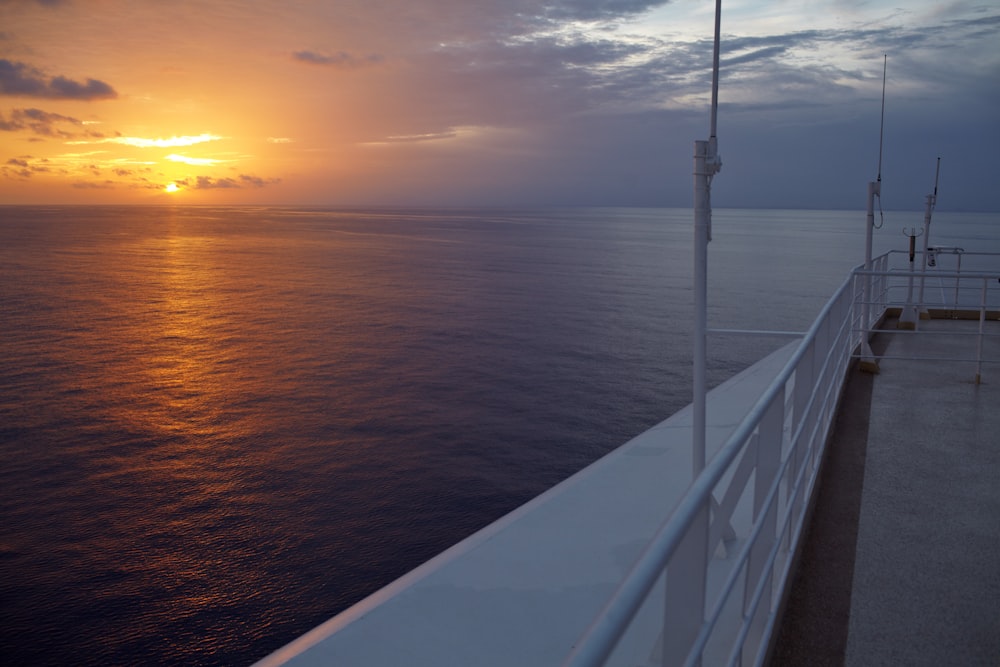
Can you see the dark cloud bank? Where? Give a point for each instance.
(21, 80)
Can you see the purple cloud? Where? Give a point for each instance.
(243, 181)
(44, 3)
(339, 59)
(20, 79)
(23, 167)
(93, 185)
(257, 182)
(42, 123)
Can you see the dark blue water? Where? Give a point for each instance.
(220, 426)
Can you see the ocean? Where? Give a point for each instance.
(221, 426)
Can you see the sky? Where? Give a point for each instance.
(496, 102)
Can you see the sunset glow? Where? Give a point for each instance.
(482, 102)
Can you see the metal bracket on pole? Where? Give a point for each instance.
(909, 316)
(931, 203)
(869, 363)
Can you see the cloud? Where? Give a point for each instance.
(194, 161)
(427, 136)
(518, 99)
(42, 123)
(24, 167)
(766, 53)
(44, 3)
(21, 80)
(144, 142)
(208, 183)
(242, 181)
(597, 10)
(94, 185)
(340, 59)
(257, 182)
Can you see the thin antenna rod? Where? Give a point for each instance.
(715, 68)
(937, 172)
(881, 124)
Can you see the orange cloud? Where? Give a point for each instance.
(194, 161)
(142, 142)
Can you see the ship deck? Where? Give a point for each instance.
(901, 565)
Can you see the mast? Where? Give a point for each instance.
(707, 163)
(868, 361)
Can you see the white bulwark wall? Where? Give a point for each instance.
(524, 589)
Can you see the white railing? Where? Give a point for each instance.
(749, 502)
(709, 584)
(962, 295)
(941, 287)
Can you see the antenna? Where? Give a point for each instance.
(715, 71)
(881, 123)
(937, 172)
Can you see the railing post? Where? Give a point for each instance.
(684, 611)
(769, 447)
(982, 326)
(958, 279)
(857, 295)
(802, 419)
(884, 282)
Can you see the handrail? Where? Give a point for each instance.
(787, 443)
(607, 629)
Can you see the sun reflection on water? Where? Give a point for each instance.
(183, 382)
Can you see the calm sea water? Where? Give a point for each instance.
(220, 426)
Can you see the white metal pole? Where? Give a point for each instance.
(702, 225)
(931, 203)
(909, 314)
(706, 165)
(694, 569)
(868, 361)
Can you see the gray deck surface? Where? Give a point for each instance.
(902, 563)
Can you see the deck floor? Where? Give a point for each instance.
(902, 562)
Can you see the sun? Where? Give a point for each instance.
(172, 188)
